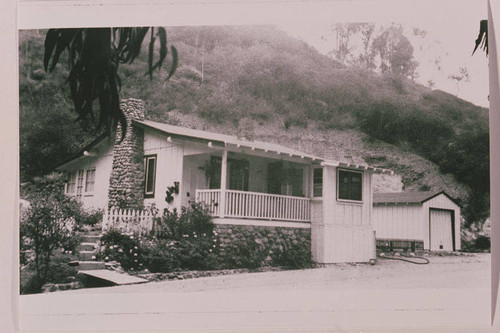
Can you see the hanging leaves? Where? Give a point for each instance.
(95, 55)
(482, 37)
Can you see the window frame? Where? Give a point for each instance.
(150, 194)
(71, 180)
(313, 182)
(338, 185)
(86, 181)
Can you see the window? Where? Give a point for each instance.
(79, 183)
(238, 174)
(150, 176)
(317, 182)
(70, 186)
(284, 180)
(90, 181)
(237, 170)
(350, 185)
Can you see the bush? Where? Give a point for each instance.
(162, 257)
(90, 217)
(482, 243)
(194, 219)
(49, 222)
(123, 248)
(291, 254)
(59, 272)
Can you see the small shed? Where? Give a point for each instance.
(428, 220)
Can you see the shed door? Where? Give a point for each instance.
(441, 230)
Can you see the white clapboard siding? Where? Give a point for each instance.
(128, 220)
(413, 222)
(401, 222)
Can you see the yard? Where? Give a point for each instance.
(450, 291)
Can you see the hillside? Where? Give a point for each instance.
(259, 83)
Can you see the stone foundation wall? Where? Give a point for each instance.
(126, 184)
(264, 241)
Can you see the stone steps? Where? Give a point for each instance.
(87, 246)
(88, 265)
(87, 250)
(90, 238)
(87, 255)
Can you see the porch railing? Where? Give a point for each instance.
(243, 204)
(128, 220)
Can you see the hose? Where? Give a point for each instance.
(425, 260)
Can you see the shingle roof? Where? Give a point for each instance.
(407, 197)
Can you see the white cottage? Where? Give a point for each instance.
(243, 182)
(429, 220)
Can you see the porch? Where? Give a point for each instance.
(255, 205)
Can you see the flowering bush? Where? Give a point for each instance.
(126, 248)
(183, 241)
(192, 220)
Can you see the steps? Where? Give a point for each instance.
(87, 251)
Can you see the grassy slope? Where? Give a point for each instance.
(274, 88)
(274, 82)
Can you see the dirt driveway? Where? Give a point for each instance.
(470, 271)
(448, 292)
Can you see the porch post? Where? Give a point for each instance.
(223, 176)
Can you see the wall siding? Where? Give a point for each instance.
(345, 232)
(169, 168)
(102, 163)
(398, 222)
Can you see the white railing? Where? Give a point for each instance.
(211, 198)
(243, 204)
(128, 220)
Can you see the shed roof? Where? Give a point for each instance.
(408, 197)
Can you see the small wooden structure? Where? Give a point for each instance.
(430, 220)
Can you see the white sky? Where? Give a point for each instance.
(453, 23)
(452, 27)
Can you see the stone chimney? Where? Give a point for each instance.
(126, 183)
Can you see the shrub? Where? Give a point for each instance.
(162, 257)
(193, 219)
(59, 272)
(291, 254)
(49, 223)
(482, 243)
(90, 217)
(124, 248)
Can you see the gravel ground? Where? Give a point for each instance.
(468, 272)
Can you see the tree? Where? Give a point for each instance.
(395, 52)
(95, 55)
(482, 37)
(48, 223)
(461, 75)
(344, 32)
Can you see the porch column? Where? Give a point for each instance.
(223, 176)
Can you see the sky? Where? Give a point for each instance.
(451, 26)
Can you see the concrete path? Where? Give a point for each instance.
(358, 297)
